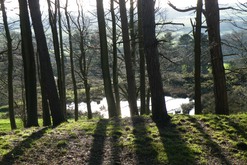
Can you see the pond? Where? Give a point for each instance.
(173, 106)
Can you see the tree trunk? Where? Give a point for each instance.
(104, 60)
(115, 59)
(45, 106)
(10, 68)
(131, 89)
(197, 49)
(29, 65)
(213, 23)
(159, 112)
(143, 109)
(62, 81)
(72, 61)
(45, 64)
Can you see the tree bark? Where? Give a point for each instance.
(104, 60)
(197, 49)
(143, 109)
(72, 61)
(213, 23)
(131, 89)
(45, 64)
(115, 59)
(29, 66)
(63, 88)
(159, 112)
(10, 67)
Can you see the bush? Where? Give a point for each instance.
(187, 107)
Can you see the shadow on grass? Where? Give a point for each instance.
(146, 154)
(116, 133)
(241, 130)
(18, 150)
(214, 148)
(97, 150)
(178, 153)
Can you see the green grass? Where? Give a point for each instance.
(200, 139)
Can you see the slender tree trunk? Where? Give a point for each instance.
(29, 65)
(62, 81)
(72, 62)
(53, 24)
(45, 106)
(159, 112)
(115, 59)
(104, 60)
(142, 61)
(45, 64)
(132, 36)
(131, 89)
(10, 67)
(213, 23)
(197, 49)
(84, 72)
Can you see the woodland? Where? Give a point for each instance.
(122, 51)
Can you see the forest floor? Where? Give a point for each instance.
(186, 140)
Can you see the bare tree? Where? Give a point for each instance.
(71, 54)
(104, 60)
(143, 109)
(10, 67)
(29, 65)
(131, 89)
(159, 112)
(197, 49)
(213, 26)
(45, 64)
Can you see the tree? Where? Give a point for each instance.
(29, 66)
(45, 64)
(58, 55)
(212, 15)
(213, 26)
(159, 112)
(71, 54)
(143, 109)
(115, 58)
(10, 67)
(131, 89)
(62, 81)
(197, 49)
(104, 60)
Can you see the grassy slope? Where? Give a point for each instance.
(206, 139)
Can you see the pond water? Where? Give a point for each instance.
(173, 106)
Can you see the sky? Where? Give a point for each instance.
(171, 15)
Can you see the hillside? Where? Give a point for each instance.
(187, 139)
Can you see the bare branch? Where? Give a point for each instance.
(170, 23)
(181, 10)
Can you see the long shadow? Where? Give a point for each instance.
(215, 149)
(178, 153)
(97, 150)
(241, 130)
(116, 133)
(146, 154)
(18, 150)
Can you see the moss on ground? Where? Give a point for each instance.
(200, 139)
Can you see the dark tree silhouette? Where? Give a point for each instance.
(104, 60)
(29, 65)
(159, 112)
(45, 64)
(10, 67)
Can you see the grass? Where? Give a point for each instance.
(202, 139)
